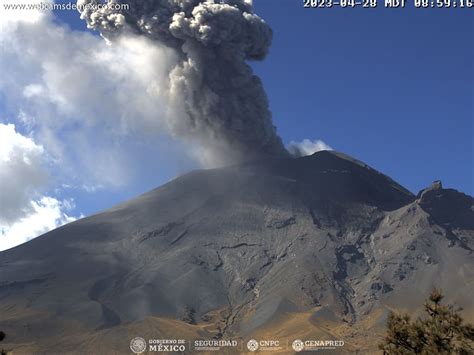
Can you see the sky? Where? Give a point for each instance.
(391, 87)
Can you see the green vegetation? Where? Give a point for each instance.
(443, 331)
(2, 336)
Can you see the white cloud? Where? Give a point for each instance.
(46, 214)
(22, 173)
(83, 104)
(307, 147)
(25, 212)
(17, 11)
(33, 90)
(86, 102)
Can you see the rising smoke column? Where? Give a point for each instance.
(217, 99)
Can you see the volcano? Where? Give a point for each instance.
(319, 247)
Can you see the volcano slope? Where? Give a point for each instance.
(319, 247)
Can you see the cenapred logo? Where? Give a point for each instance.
(138, 345)
(316, 345)
(252, 345)
(297, 345)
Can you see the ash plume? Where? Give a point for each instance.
(215, 98)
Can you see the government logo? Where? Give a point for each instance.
(138, 345)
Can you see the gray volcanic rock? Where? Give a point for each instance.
(235, 249)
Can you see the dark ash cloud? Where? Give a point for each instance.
(214, 97)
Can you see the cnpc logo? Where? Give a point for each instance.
(264, 345)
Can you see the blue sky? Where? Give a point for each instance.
(391, 87)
